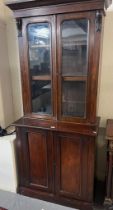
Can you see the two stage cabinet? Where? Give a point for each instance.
(59, 43)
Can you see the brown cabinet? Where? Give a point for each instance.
(59, 44)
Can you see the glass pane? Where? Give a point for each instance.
(39, 40)
(73, 98)
(41, 97)
(75, 47)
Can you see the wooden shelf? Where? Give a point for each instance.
(44, 77)
(74, 78)
(73, 102)
(73, 45)
(39, 46)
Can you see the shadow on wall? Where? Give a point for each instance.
(106, 78)
(6, 102)
(14, 63)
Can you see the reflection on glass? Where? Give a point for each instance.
(39, 36)
(73, 98)
(75, 47)
(41, 97)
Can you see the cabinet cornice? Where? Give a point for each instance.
(22, 4)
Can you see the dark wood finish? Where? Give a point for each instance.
(80, 78)
(35, 159)
(3, 208)
(24, 76)
(85, 129)
(94, 73)
(109, 180)
(56, 153)
(75, 203)
(22, 4)
(46, 10)
(48, 159)
(72, 155)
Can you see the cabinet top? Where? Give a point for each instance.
(24, 4)
(86, 129)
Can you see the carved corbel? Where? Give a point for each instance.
(19, 26)
(98, 21)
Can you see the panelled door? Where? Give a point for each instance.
(35, 156)
(74, 166)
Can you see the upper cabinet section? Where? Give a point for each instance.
(59, 53)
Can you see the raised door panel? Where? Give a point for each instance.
(70, 166)
(74, 166)
(37, 159)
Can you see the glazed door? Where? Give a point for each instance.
(74, 166)
(38, 70)
(35, 156)
(75, 46)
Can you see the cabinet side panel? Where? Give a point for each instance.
(38, 158)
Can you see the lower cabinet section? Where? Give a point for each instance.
(56, 166)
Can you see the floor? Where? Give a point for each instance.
(13, 201)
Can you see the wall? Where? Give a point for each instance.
(105, 109)
(14, 63)
(6, 100)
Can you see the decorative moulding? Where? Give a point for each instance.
(22, 4)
